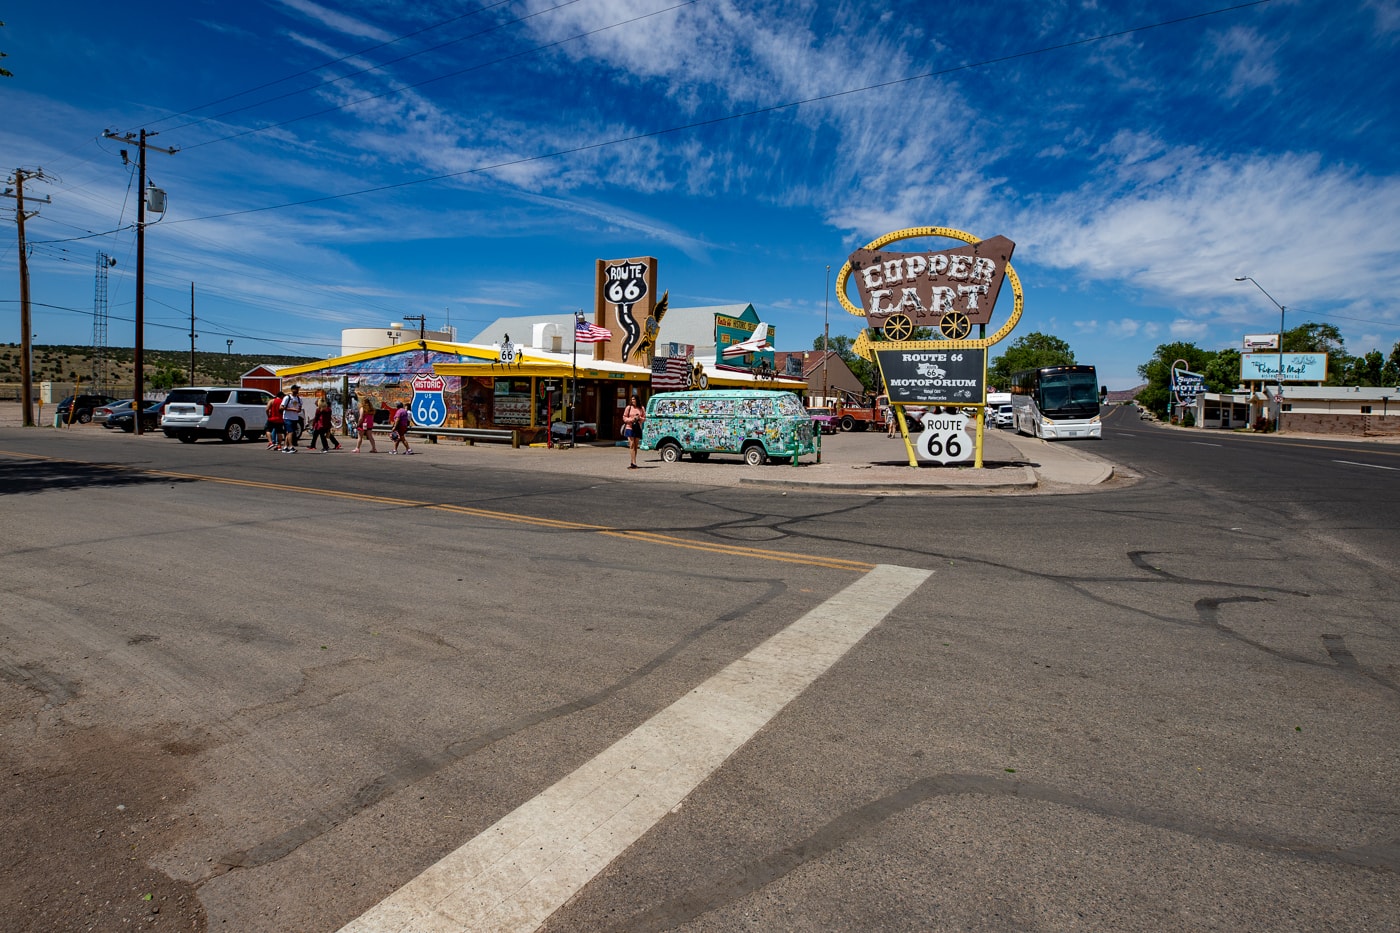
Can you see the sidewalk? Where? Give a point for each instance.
(860, 462)
(865, 462)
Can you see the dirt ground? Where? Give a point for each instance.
(83, 811)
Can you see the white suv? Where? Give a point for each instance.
(230, 413)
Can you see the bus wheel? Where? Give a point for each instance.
(755, 455)
(670, 452)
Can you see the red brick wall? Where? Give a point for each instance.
(1343, 425)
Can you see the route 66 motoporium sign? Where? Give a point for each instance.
(934, 376)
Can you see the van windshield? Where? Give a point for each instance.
(789, 405)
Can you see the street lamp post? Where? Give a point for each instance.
(1278, 422)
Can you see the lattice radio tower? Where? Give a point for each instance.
(99, 324)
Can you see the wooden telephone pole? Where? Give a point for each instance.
(139, 391)
(26, 373)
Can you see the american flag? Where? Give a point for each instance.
(588, 332)
(672, 372)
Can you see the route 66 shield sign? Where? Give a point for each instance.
(428, 408)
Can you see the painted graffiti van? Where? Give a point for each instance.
(758, 425)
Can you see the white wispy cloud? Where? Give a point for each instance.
(337, 21)
(1182, 224)
(1244, 57)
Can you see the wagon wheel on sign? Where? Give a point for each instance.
(954, 325)
(898, 327)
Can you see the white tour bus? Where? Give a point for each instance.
(1056, 402)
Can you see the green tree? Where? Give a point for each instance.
(1366, 370)
(841, 345)
(1222, 372)
(1032, 351)
(1390, 372)
(1321, 338)
(167, 376)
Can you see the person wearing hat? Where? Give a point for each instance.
(291, 420)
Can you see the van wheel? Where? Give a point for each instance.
(187, 437)
(234, 432)
(670, 452)
(755, 455)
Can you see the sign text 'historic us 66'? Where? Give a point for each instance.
(940, 377)
(944, 439)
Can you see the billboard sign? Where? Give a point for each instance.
(624, 298)
(934, 377)
(1297, 367)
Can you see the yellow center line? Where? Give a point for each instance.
(646, 537)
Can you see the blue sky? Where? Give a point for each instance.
(503, 147)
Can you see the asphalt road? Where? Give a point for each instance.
(1164, 704)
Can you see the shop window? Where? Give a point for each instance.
(1287, 406)
(1365, 409)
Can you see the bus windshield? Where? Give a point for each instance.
(1069, 393)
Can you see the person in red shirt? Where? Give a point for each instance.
(274, 421)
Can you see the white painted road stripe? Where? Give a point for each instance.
(520, 871)
(1374, 466)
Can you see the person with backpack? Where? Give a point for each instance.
(291, 420)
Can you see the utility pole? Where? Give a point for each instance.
(26, 372)
(422, 320)
(192, 333)
(826, 337)
(139, 391)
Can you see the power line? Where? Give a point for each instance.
(382, 65)
(326, 64)
(450, 74)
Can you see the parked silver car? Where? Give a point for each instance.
(229, 413)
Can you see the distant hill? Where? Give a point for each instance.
(73, 364)
(1123, 396)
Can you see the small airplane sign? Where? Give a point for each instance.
(758, 343)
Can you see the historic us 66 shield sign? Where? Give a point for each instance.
(428, 408)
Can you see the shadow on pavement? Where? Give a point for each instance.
(26, 477)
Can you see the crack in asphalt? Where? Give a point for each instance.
(418, 767)
(756, 874)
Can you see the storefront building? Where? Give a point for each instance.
(505, 386)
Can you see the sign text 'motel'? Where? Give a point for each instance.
(934, 377)
(1186, 384)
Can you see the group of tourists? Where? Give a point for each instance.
(286, 420)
